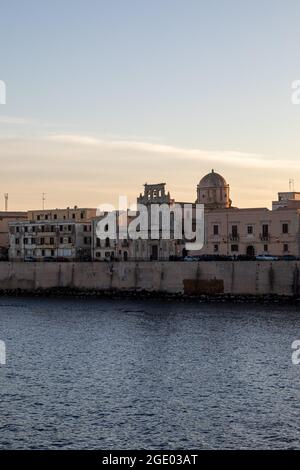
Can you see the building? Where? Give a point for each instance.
(5, 218)
(144, 248)
(50, 240)
(231, 231)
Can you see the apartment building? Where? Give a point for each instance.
(49, 240)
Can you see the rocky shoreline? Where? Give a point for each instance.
(144, 294)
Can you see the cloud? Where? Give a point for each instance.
(14, 120)
(229, 157)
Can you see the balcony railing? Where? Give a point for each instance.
(265, 237)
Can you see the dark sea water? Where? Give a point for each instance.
(103, 374)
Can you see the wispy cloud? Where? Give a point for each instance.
(14, 120)
(229, 157)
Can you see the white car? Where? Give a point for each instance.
(266, 258)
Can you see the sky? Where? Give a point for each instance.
(104, 96)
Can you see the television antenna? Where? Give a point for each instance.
(43, 200)
(6, 201)
(292, 185)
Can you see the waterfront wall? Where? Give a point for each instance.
(191, 278)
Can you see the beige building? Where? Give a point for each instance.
(231, 231)
(5, 218)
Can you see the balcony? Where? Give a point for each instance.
(265, 237)
(234, 237)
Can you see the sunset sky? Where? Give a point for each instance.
(103, 96)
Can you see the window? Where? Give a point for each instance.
(42, 241)
(98, 254)
(55, 216)
(285, 247)
(69, 228)
(85, 228)
(25, 229)
(87, 240)
(69, 239)
(46, 217)
(250, 229)
(17, 241)
(285, 228)
(107, 243)
(43, 252)
(33, 241)
(52, 252)
(43, 228)
(61, 227)
(17, 229)
(33, 228)
(51, 241)
(38, 217)
(216, 248)
(216, 229)
(266, 248)
(81, 215)
(73, 216)
(265, 230)
(98, 244)
(234, 231)
(61, 240)
(25, 241)
(234, 248)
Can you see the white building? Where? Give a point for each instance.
(49, 240)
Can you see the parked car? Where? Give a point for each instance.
(266, 258)
(245, 258)
(288, 258)
(30, 258)
(190, 258)
(49, 258)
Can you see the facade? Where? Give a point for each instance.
(47, 240)
(252, 232)
(230, 231)
(141, 249)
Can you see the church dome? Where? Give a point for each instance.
(213, 192)
(212, 180)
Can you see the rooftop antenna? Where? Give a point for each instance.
(6, 201)
(43, 200)
(292, 185)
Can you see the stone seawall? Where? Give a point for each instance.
(190, 278)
